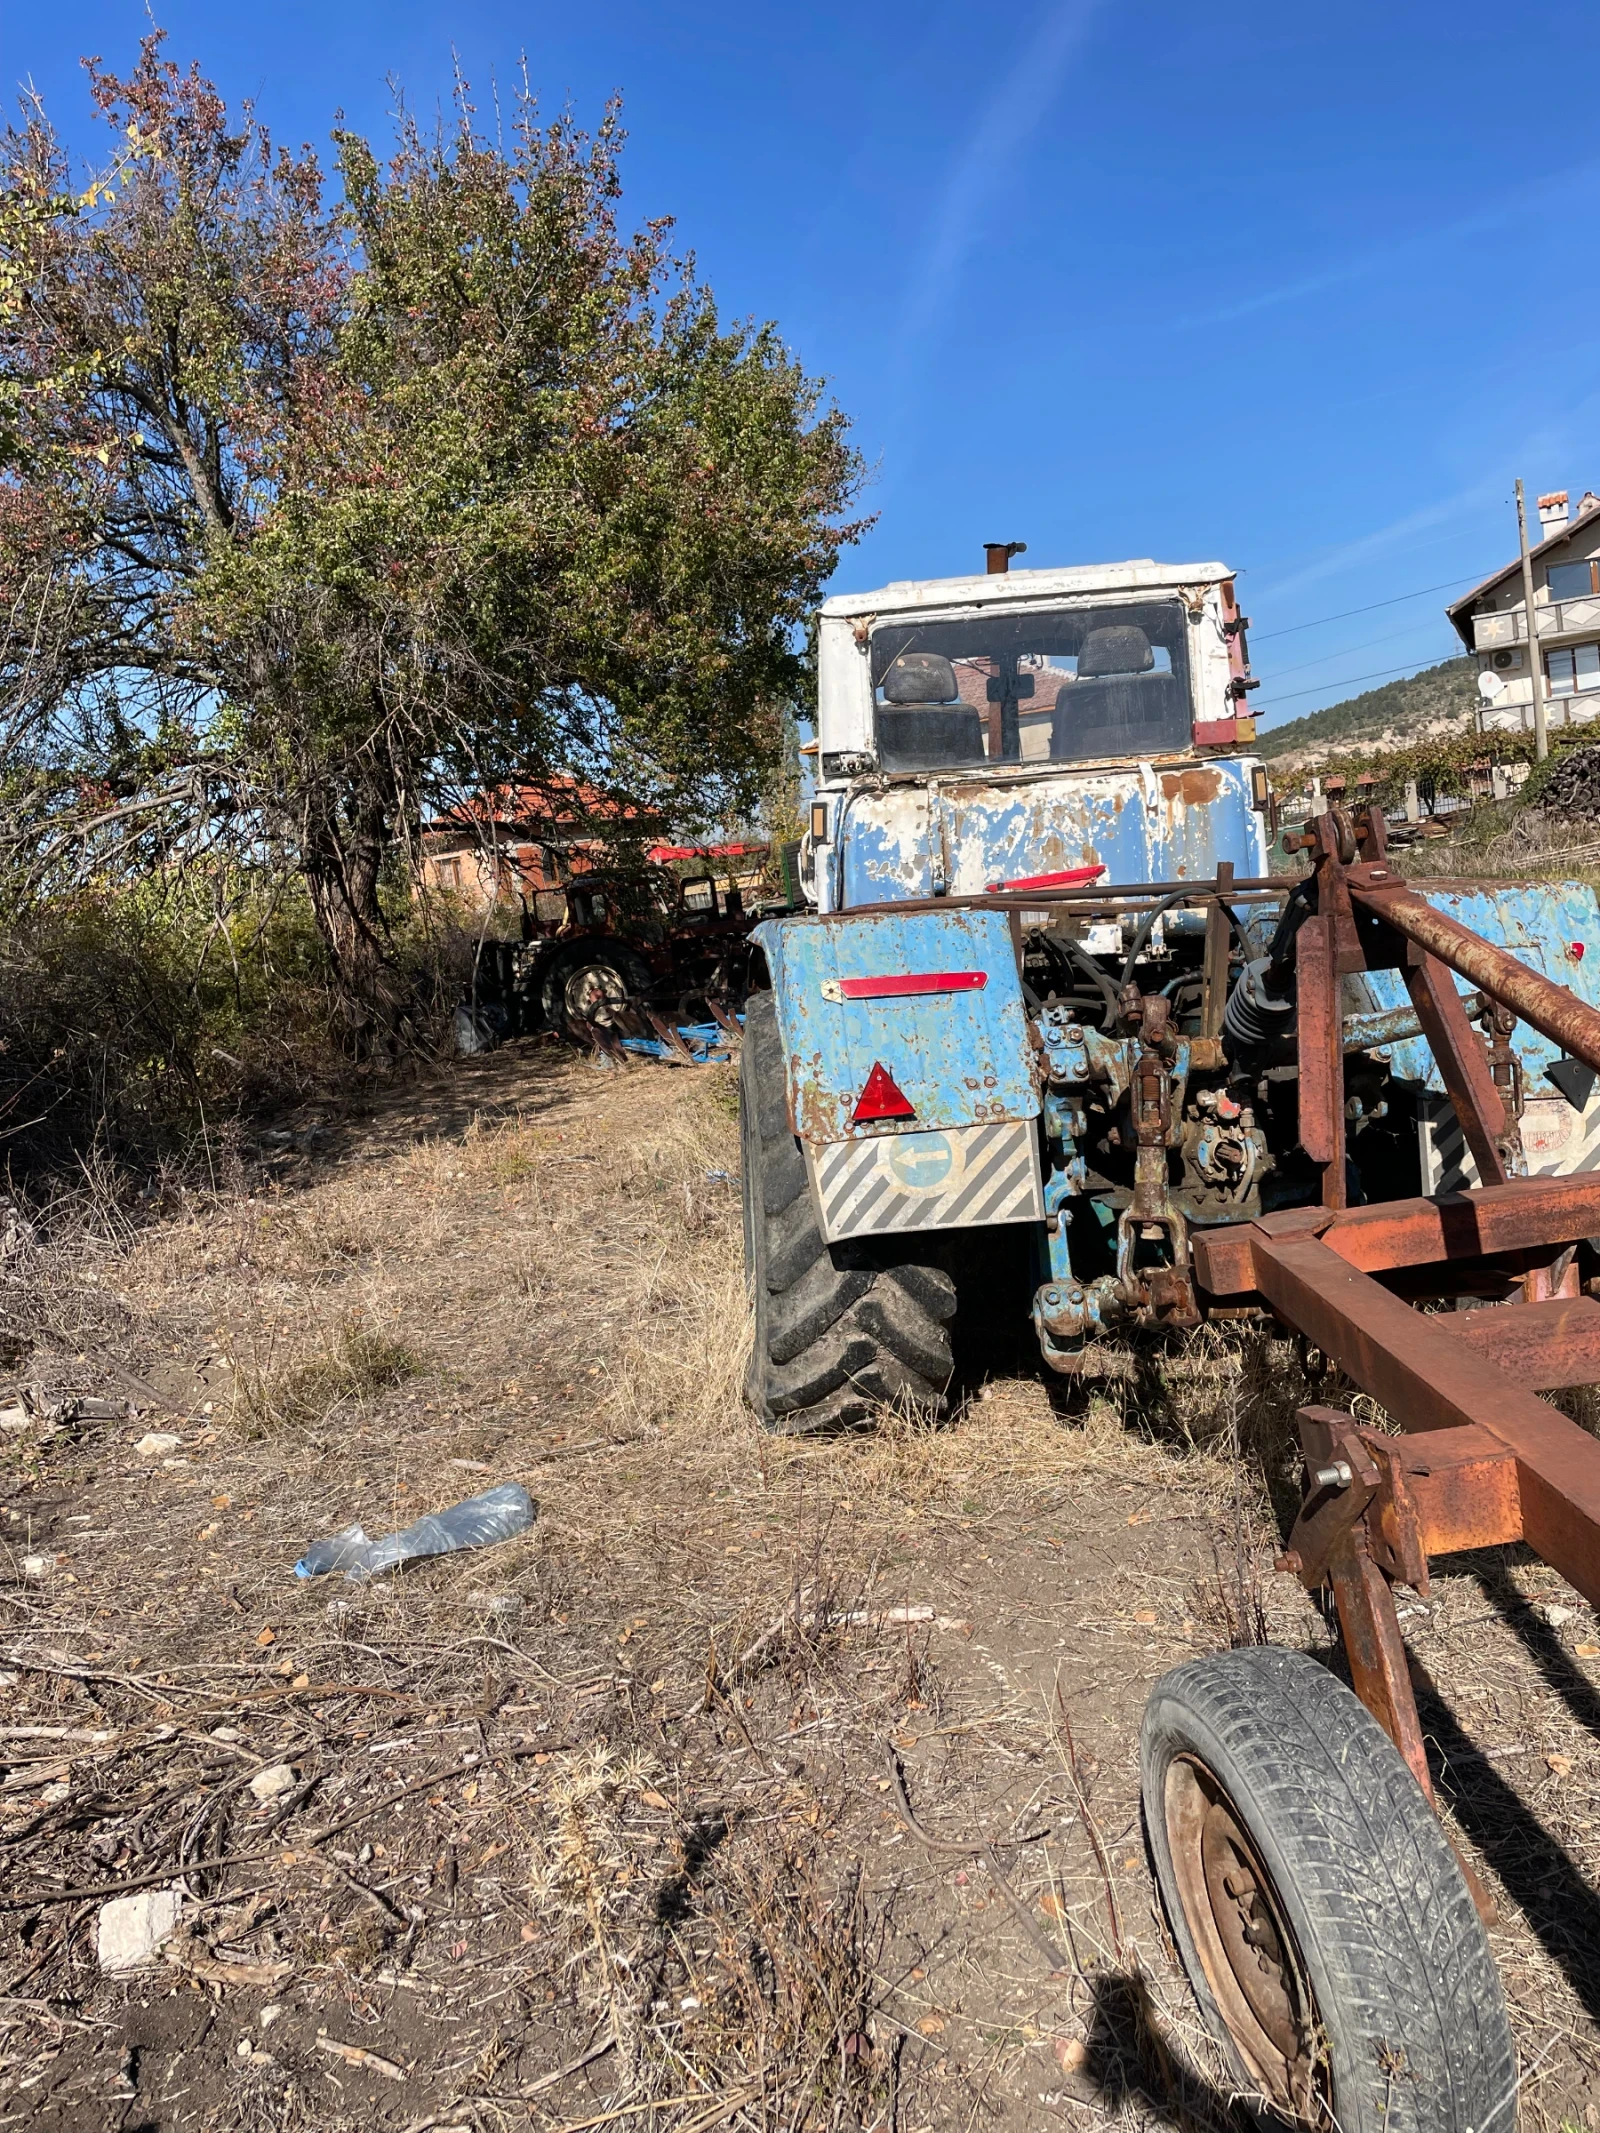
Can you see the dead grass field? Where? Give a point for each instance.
(764, 1783)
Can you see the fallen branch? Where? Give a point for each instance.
(1091, 1830)
(59, 1664)
(190, 1955)
(895, 1617)
(799, 1614)
(130, 1882)
(975, 1848)
(597, 2050)
(96, 1736)
(439, 1777)
(353, 2055)
(716, 2110)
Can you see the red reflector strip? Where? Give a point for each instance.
(906, 982)
(882, 1097)
(1074, 878)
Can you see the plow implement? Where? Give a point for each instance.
(1455, 1313)
(1334, 1939)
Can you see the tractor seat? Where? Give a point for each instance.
(1118, 702)
(922, 722)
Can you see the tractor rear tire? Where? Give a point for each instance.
(841, 1331)
(1324, 1922)
(591, 980)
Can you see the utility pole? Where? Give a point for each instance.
(1541, 740)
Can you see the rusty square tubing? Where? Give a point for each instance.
(1526, 1214)
(1428, 1380)
(1319, 1044)
(1463, 1065)
(1377, 1653)
(1542, 1345)
(1462, 1486)
(1553, 1010)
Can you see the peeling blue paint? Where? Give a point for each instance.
(954, 836)
(961, 1058)
(1538, 923)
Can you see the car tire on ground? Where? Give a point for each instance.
(840, 1331)
(1323, 1920)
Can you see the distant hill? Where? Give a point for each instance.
(1438, 700)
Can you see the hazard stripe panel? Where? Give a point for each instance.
(962, 1178)
(1556, 1140)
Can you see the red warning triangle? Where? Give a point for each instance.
(881, 1098)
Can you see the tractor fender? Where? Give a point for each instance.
(931, 1001)
(959, 1050)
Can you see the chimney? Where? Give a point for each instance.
(1553, 514)
(998, 554)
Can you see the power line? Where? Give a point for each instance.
(1261, 636)
(1367, 644)
(1383, 674)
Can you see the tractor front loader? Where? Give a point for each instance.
(1050, 988)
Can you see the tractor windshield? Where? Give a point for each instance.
(1064, 686)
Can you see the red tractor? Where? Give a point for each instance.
(640, 941)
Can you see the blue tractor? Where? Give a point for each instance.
(1044, 985)
(950, 1039)
(1054, 1043)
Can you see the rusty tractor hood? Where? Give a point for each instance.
(959, 1054)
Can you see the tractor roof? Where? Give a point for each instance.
(1009, 586)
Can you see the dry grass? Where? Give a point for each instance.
(674, 1853)
(360, 1361)
(1509, 842)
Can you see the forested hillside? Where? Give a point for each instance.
(1437, 700)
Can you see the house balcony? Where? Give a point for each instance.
(1512, 710)
(1558, 620)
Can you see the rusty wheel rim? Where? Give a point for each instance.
(596, 993)
(1241, 1935)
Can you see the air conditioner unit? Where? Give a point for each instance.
(1506, 662)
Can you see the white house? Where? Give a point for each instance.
(1491, 621)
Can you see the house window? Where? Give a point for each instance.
(449, 873)
(1574, 671)
(1573, 581)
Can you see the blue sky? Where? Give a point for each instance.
(1302, 289)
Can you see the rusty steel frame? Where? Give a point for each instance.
(1486, 1460)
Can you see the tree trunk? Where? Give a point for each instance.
(342, 865)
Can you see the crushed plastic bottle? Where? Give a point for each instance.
(496, 1515)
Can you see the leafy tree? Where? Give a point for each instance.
(314, 516)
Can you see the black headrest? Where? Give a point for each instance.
(921, 678)
(1122, 649)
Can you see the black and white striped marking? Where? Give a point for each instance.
(958, 1179)
(1556, 1140)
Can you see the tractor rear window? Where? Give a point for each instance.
(1067, 686)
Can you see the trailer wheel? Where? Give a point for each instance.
(1318, 1909)
(840, 1330)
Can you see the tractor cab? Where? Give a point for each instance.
(1026, 724)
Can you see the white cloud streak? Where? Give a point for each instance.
(1430, 243)
(1011, 115)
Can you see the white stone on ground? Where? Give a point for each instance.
(273, 1782)
(130, 1929)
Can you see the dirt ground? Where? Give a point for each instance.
(762, 1783)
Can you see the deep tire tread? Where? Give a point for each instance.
(840, 1332)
